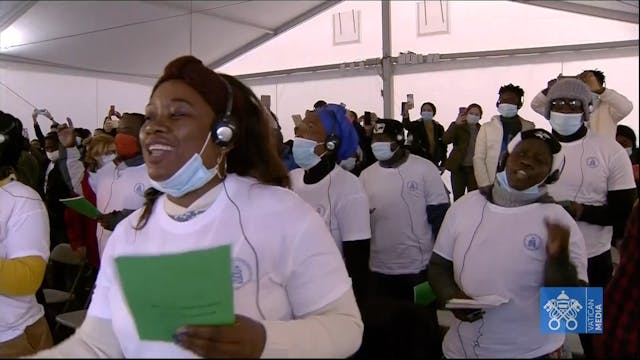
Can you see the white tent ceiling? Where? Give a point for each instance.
(138, 37)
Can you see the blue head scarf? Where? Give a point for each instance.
(334, 120)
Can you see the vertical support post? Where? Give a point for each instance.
(387, 65)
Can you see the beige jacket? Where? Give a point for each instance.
(603, 120)
(488, 145)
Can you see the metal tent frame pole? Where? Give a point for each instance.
(387, 61)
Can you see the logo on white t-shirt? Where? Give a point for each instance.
(532, 242)
(241, 272)
(139, 189)
(412, 186)
(592, 162)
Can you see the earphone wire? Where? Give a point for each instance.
(575, 198)
(473, 236)
(253, 249)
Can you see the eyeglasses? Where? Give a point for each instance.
(571, 103)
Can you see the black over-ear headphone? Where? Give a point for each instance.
(4, 135)
(332, 141)
(224, 130)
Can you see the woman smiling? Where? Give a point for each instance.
(217, 181)
(540, 246)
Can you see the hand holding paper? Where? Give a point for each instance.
(481, 302)
(169, 291)
(83, 206)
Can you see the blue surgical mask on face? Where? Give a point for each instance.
(191, 176)
(472, 119)
(304, 153)
(508, 110)
(382, 150)
(529, 194)
(565, 124)
(427, 115)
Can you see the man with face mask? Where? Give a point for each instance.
(407, 201)
(608, 106)
(597, 187)
(493, 137)
(120, 185)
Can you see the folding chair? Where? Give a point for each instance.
(73, 319)
(63, 254)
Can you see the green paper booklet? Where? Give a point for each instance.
(83, 206)
(168, 291)
(423, 294)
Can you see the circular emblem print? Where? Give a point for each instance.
(532, 241)
(240, 272)
(592, 162)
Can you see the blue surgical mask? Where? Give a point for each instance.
(304, 153)
(565, 124)
(472, 119)
(78, 140)
(427, 115)
(382, 150)
(348, 164)
(190, 177)
(529, 194)
(508, 110)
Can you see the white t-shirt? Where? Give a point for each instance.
(117, 188)
(505, 257)
(341, 201)
(24, 231)
(402, 239)
(594, 166)
(300, 268)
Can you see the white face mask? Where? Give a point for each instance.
(382, 150)
(348, 164)
(105, 159)
(565, 124)
(508, 110)
(53, 155)
(472, 119)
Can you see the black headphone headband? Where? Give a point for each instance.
(333, 141)
(224, 129)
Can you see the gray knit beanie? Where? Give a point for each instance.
(569, 89)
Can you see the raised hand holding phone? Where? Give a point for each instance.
(410, 103)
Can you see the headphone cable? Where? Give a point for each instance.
(255, 253)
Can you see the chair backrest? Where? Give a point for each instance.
(63, 253)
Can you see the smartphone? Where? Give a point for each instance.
(410, 101)
(112, 108)
(462, 110)
(474, 316)
(367, 118)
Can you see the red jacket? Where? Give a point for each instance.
(81, 231)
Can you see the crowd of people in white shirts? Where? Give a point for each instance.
(332, 233)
